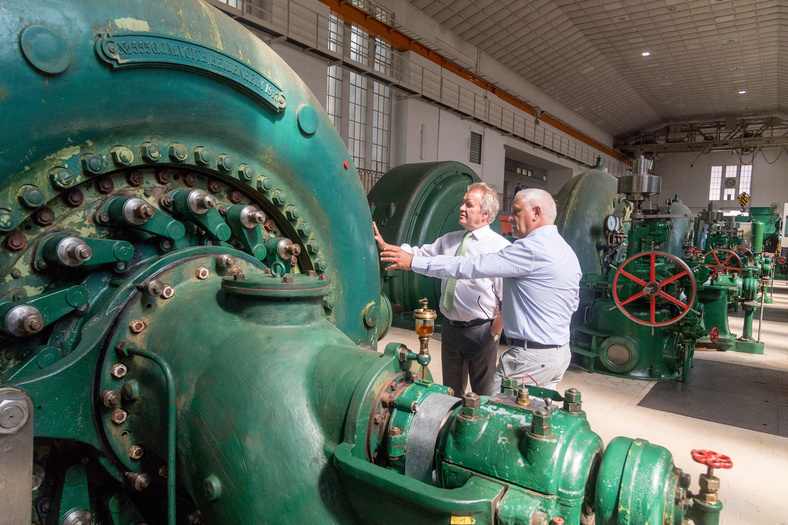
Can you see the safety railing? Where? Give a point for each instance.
(369, 178)
(310, 30)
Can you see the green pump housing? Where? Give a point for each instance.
(191, 304)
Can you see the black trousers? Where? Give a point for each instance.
(468, 352)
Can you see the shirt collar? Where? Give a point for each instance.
(479, 233)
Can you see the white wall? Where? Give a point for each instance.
(311, 69)
(688, 174)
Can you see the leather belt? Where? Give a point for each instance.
(525, 343)
(468, 324)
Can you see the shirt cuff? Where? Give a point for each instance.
(419, 264)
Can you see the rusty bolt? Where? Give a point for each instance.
(225, 261)
(119, 370)
(166, 200)
(119, 416)
(168, 292)
(135, 452)
(311, 273)
(323, 278)
(104, 185)
(269, 225)
(239, 277)
(140, 481)
(74, 198)
(471, 400)
(214, 186)
(15, 241)
(137, 325)
(110, 398)
(163, 177)
(189, 180)
(235, 197)
(202, 273)
(234, 270)
(135, 178)
(162, 471)
(287, 279)
(44, 216)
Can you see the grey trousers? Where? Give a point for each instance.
(545, 366)
(468, 352)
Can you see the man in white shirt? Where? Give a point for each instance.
(468, 346)
(541, 278)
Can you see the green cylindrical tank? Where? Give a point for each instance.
(416, 204)
(757, 237)
(583, 203)
(679, 226)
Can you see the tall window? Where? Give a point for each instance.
(359, 106)
(716, 183)
(745, 178)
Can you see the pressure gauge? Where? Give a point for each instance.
(611, 223)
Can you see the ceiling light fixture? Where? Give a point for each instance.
(645, 53)
(742, 92)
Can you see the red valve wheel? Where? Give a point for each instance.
(746, 253)
(731, 263)
(653, 289)
(714, 335)
(711, 459)
(693, 251)
(781, 260)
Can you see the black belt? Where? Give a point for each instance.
(468, 324)
(525, 343)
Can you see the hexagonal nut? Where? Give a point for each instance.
(136, 452)
(202, 273)
(471, 400)
(119, 416)
(137, 326)
(13, 415)
(119, 370)
(572, 395)
(167, 292)
(709, 484)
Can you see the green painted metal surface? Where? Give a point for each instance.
(184, 364)
(416, 204)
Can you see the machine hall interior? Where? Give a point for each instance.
(197, 328)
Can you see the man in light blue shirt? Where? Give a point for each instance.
(541, 288)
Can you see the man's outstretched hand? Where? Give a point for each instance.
(389, 253)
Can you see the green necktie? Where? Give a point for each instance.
(451, 285)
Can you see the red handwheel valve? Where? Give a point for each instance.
(709, 484)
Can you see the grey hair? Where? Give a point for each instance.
(531, 197)
(489, 202)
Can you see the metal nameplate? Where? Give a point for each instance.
(148, 50)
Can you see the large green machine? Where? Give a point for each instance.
(190, 304)
(639, 313)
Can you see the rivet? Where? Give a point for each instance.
(122, 156)
(226, 163)
(150, 151)
(92, 164)
(137, 325)
(119, 370)
(245, 172)
(202, 156)
(178, 152)
(61, 178)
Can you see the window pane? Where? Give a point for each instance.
(716, 183)
(745, 178)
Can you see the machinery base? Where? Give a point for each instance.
(748, 347)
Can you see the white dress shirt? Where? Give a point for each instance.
(541, 283)
(474, 298)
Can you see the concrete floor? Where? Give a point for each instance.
(756, 489)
